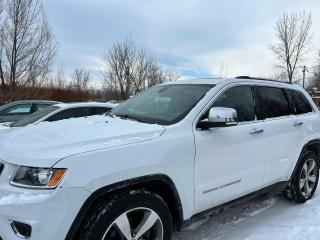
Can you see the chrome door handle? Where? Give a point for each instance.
(298, 124)
(256, 131)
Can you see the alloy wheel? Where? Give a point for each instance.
(308, 177)
(136, 224)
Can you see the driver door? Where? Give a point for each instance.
(229, 161)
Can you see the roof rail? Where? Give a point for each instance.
(262, 79)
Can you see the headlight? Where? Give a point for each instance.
(31, 177)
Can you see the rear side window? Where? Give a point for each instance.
(40, 106)
(300, 103)
(239, 98)
(271, 102)
(70, 113)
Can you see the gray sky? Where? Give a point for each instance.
(192, 37)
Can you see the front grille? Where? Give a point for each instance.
(1, 169)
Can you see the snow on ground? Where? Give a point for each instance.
(263, 218)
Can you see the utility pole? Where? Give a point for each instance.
(304, 70)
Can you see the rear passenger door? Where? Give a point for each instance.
(274, 108)
(305, 118)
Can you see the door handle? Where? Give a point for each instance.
(256, 131)
(298, 124)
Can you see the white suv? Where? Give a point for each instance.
(158, 159)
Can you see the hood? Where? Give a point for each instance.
(44, 144)
(3, 130)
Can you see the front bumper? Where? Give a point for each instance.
(50, 213)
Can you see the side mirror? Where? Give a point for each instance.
(220, 117)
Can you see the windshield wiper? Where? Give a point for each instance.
(127, 116)
(109, 114)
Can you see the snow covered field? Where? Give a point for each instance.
(262, 218)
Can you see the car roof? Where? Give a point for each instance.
(85, 104)
(34, 101)
(216, 81)
(28, 101)
(213, 81)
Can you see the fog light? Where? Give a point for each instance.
(22, 230)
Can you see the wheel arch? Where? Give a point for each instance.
(314, 146)
(159, 184)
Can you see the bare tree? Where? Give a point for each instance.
(293, 32)
(1, 44)
(28, 43)
(315, 78)
(80, 80)
(59, 80)
(128, 70)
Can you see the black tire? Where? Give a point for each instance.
(104, 215)
(293, 191)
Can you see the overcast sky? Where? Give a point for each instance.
(193, 37)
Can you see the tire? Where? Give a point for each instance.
(305, 180)
(125, 214)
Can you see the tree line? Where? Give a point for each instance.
(28, 48)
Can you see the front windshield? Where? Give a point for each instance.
(32, 118)
(164, 105)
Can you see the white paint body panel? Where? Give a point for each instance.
(207, 167)
(226, 171)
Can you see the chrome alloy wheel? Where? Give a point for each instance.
(136, 224)
(308, 177)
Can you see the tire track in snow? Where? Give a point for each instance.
(215, 223)
(262, 218)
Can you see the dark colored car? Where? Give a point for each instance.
(64, 111)
(16, 110)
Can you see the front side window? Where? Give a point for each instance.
(239, 98)
(271, 102)
(21, 109)
(300, 103)
(163, 105)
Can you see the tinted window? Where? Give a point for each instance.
(241, 99)
(300, 102)
(271, 102)
(21, 109)
(100, 110)
(70, 113)
(40, 106)
(32, 118)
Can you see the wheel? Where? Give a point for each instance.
(138, 215)
(305, 180)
